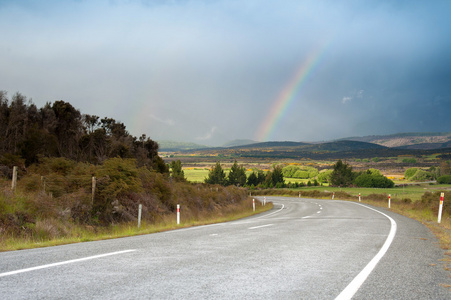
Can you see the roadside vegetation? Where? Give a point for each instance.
(54, 202)
(82, 177)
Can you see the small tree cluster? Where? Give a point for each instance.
(342, 175)
(304, 172)
(417, 174)
(237, 176)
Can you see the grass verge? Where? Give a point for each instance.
(83, 233)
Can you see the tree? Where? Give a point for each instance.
(274, 178)
(237, 175)
(252, 180)
(324, 176)
(17, 123)
(176, 170)
(342, 174)
(68, 128)
(216, 175)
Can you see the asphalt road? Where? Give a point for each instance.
(302, 249)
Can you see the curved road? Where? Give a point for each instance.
(302, 249)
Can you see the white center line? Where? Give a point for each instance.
(63, 263)
(260, 226)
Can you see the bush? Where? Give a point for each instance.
(421, 175)
(409, 160)
(410, 172)
(445, 179)
(375, 181)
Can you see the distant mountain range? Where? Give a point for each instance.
(172, 146)
(413, 141)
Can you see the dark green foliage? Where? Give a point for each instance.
(341, 175)
(237, 175)
(252, 180)
(445, 179)
(274, 178)
(176, 171)
(59, 129)
(368, 179)
(216, 175)
(409, 160)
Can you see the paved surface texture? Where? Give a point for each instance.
(302, 249)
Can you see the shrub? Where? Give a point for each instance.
(376, 181)
(410, 160)
(421, 175)
(445, 179)
(410, 172)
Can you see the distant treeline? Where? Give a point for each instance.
(60, 130)
(335, 155)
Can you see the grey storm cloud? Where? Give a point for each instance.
(211, 71)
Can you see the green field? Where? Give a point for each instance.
(412, 191)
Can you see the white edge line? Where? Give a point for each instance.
(274, 212)
(260, 226)
(355, 284)
(250, 220)
(63, 263)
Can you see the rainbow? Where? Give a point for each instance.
(287, 96)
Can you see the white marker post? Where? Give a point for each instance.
(178, 214)
(360, 198)
(14, 182)
(333, 195)
(253, 204)
(299, 194)
(140, 208)
(264, 200)
(440, 208)
(93, 189)
(389, 198)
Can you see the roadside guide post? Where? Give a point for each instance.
(440, 208)
(333, 195)
(253, 204)
(389, 198)
(359, 198)
(139, 215)
(178, 214)
(14, 182)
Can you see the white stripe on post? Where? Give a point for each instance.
(140, 208)
(178, 214)
(440, 208)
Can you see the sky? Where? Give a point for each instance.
(212, 71)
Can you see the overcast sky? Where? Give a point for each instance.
(210, 71)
